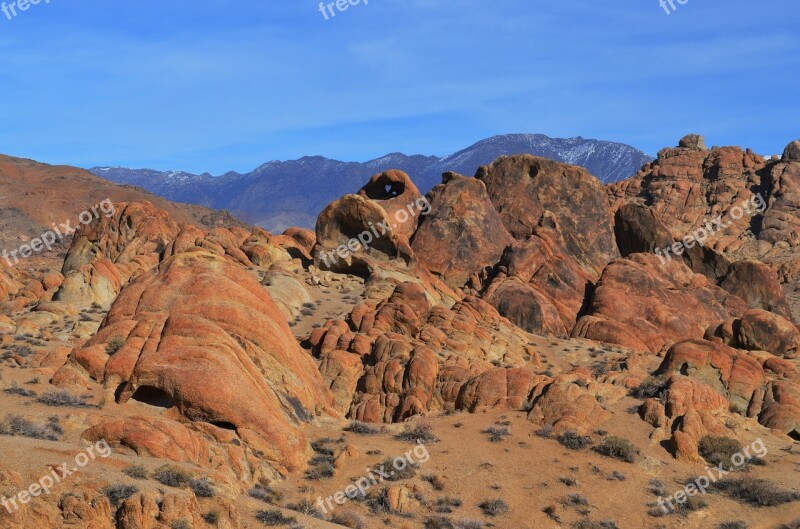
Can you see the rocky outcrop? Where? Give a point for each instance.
(395, 192)
(109, 251)
(643, 305)
(201, 317)
(781, 223)
(463, 234)
(523, 187)
(403, 356)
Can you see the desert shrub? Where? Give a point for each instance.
(273, 518)
(574, 441)
(321, 446)
(590, 524)
(657, 487)
(348, 519)
(113, 346)
(438, 522)
(202, 488)
(615, 475)
(136, 472)
(446, 505)
(397, 474)
(552, 513)
(15, 425)
(306, 508)
(794, 524)
(321, 468)
(651, 387)
(265, 494)
(732, 525)
(211, 517)
(469, 524)
(436, 482)
(378, 502)
(422, 433)
(14, 389)
(307, 311)
(61, 398)
(496, 434)
(171, 476)
(692, 503)
(569, 481)
(181, 524)
(361, 428)
(493, 507)
(118, 493)
(757, 492)
(719, 450)
(575, 500)
(545, 431)
(619, 448)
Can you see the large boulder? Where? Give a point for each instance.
(646, 305)
(106, 253)
(523, 187)
(463, 234)
(765, 331)
(201, 317)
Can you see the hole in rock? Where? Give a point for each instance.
(153, 397)
(224, 425)
(383, 190)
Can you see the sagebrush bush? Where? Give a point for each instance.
(651, 387)
(361, 428)
(181, 524)
(348, 519)
(15, 425)
(113, 346)
(574, 441)
(619, 448)
(202, 488)
(61, 398)
(493, 507)
(171, 476)
(757, 492)
(422, 433)
(719, 450)
(136, 472)
(265, 494)
(118, 493)
(274, 518)
(14, 389)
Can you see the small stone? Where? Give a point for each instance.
(693, 141)
(792, 152)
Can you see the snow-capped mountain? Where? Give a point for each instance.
(279, 194)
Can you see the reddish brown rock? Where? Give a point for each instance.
(513, 389)
(731, 373)
(463, 234)
(523, 187)
(109, 251)
(201, 317)
(399, 197)
(568, 407)
(761, 330)
(638, 302)
(757, 284)
(408, 357)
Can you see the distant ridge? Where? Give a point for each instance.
(279, 194)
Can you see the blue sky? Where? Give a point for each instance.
(217, 85)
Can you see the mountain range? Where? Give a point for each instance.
(280, 194)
